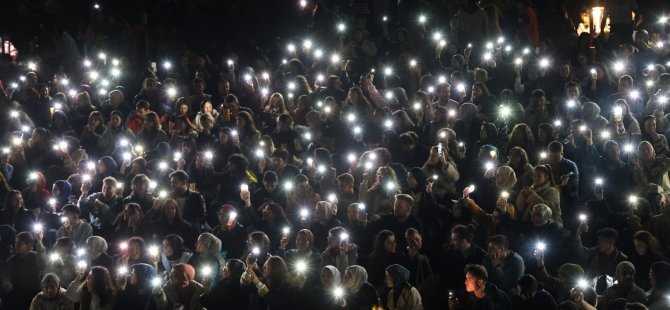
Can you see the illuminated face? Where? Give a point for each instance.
(170, 210)
(573, 93)
(17, 201)
(326, 277)
(650, 126)
(415, 240)
(108, 189)
(471, 283)
(183, 109)
(646, 151)
(477, 92)
(401, 209)
(134, 250)
(388, 280)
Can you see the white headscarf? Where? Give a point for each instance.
(337, 278)
(359, 275)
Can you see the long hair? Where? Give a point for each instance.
(546, 169)
(279, 272)
(103, 287)
(249, 126)
(653, 246)
(379, 255)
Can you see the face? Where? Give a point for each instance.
(539, 178)
(133, 278)
(415, 240)
(401, 209)
(134, 250)
(50, 289)
(199, 245)
(626, 276)
(177, 185)
(605, 245)
(17, 201)
(90, 282)
(102, 168)
(348, 279)
(326, 277)
(116, 120)
(22, 248)
(183, 109)
(646, 151)
(650, 126)
(640, 247)
(301, 242)
(455, 242)
(471, 283)
(494, 249)
(268, 214)
(477, 92)
(572, 92)
(108, 189)
(389, 244)
(267, 269)
(71, 217)
(613, 152)
(167, 248)
(170, 210)
(411, 180)
(270, 186)
(388, 280)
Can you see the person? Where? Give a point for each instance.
(14, 212)
(52, 295)
(479, 293)
(361, 294)
(401, 295)
(228, 290)
(140, 290)
(100, 209)
(506, 266)
(274, 292)
(399, 221)
(191, 203)
(231, 233)
(340, 252)
(21, 280)
(96, 292)
(174, 252)
(602, 259)
(208, 254)
(624, 288)
(530, 297)
(542, 191)
(462, 251)
(96, 249)
(74, 228)
(182, 290)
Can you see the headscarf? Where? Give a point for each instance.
(183, 274)
(65, 189)
(211, 243)
(327, 209)
(400, 277)
(337, 278)
(469, 111)
(620, 268)
(144, 273)
(98, 246)
(359, 275)
(507, 176)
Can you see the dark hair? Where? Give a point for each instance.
(281, 153)
(608, 233)
(500, 240)
(462, 232)
(102, 286)
(142, 104)
(25, 237)
(477, 271)
(270, 176)
(555, 147)
(70, 208)
(180, 175)
(406, 198)
(379, 255)
(528, 284)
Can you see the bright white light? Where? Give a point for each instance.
(544, 62)
(422, 19)
(412, 63)
(628, 148)
(540, 246)
(351, 157)
(388, 123)
(341, 27)
(153, 250)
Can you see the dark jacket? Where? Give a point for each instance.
(495, 299)
(542, 300)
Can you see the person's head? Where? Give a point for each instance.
(569, 273)
(414, 238)
(649, 123)
(330, 277)
(179, 181)
(270, 181)
(135, 247)
(245, 121)
(498, 245)
(50, 285)
(198, 86)
(304, 240)
(275, 271)
(258, 239)
(132, 213)
(99, 282)
(173, 246)
(476, 277)
(108, 187)
(646, 244)
(461, 237)
(140, 184)
(612, 150)
(542, 175)
(526, 287)
(659, 276)
(540, 214)
(645, 150)
(505, 178)
(23, 243)
(96, 245)
(208, 244)
(555, 153)
(396, 277)
(71, 212)
(625, 273)
(607, 239)
(182, 275)
(402, 207)
(233, 269)
(14, 200)
(385, 243)
(345, 183)
(150, 122)
(142, 275)
(354, 278)
(171, 209)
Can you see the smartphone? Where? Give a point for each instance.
(567, 175)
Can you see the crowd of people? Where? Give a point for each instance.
(496, 159)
